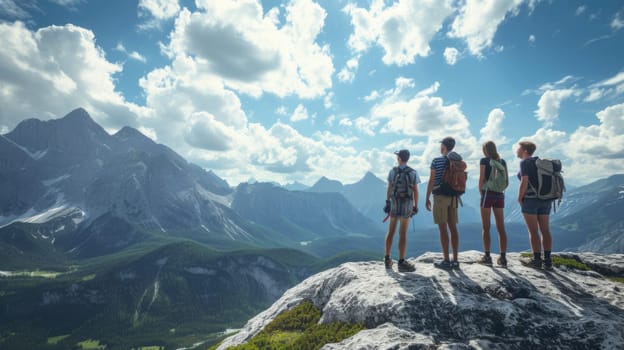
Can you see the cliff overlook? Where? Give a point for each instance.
(574, 306)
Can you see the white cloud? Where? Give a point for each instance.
(11, 9)
(300, 113)
(493, 129)
(55, 69)
(205, 132)
(601, 145)
(450, 55)
(330, 120)
(430, 90)
(549, 104)
(67, 3)
(281, 110)
(345, 122)
(251, 52)
(159, 9)
(366, 125)
(347, 73)
(332, 139)
(478, 21)
(426, 116)
(532, 39)
(372, 96)
(580, 10)
(133, 55)
(618, 21)
(613, 86)
(327, 100)
(403, 29)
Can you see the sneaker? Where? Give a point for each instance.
(454, 264)
(388, 262)
(444, 264)
(485, 260)
(501, 261)
(548, 264)
(406, 266)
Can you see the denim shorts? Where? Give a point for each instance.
(536, 206)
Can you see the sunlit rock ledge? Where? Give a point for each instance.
(474, 307)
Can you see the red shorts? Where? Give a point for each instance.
(493, 200)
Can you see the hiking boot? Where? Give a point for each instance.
(406, 266)
(501, 261)
(444, 264)
(548, 264)
(485, 260)
(534, 263)
(455, 264)
(388, 262)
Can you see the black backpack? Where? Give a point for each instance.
(401, 184)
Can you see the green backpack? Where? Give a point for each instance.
(498, 180)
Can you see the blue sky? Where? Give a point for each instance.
(294, 90)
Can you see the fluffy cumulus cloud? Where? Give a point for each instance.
(424, 115)
(403, 29)
(493, 129)
(450, 55)
(601, 145)
(549, 104)
(300, 113)
(253, 52)
(48, 72)
(478, 21)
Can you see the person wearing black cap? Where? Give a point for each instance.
(444, 207)
(401, 205)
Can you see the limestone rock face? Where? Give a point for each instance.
(474, 307)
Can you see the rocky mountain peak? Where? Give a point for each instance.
(326, 185)
(475, 307)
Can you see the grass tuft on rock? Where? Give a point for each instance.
(298, 328)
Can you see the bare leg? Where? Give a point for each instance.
(403, 237)
(544, 227)
(534, 238)
(390, 234)
(485, 228)
(444, 240)
(454, 239)
(499, 216)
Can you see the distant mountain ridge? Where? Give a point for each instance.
(118, 190)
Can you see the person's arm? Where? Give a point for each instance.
(429, 189)
(524, 184)
(389, 191)
(481, 176)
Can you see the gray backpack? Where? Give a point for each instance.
(402, 183)
(550, 184)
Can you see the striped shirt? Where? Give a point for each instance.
(438, 164)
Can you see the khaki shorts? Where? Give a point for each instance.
(445, 209)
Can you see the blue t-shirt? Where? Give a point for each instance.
(438, 164)
(528, 168)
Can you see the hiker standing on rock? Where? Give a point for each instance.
(536, 211)
(401, 205)
(446, 198)
(493, 180)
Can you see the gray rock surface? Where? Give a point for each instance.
(475, 307)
